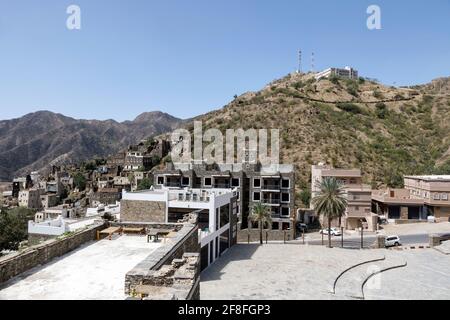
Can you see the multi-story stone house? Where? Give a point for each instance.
(105, 196)
(359, 196)
(253, 183)
(31, 198)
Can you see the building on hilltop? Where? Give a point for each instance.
(347, 72)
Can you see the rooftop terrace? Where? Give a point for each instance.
(96, 270)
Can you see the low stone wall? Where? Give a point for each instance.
(409, 221)
(17, 263)
(252, 235)
(153, 270)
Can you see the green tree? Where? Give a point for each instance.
(330, 202)
(14, 227)
(79, 181)
(262, 215)
(144, 184)
(305, 197)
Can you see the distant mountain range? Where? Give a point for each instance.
(38, 139)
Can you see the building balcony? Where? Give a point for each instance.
(271, 186)
(222, 185)
(173, 184)
(271, 201)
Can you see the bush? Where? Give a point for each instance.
(381, 110)
(349, 107)
(79, 181)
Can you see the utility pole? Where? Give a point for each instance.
(362, 235)
(312, 62)
(299, 70)
(342, 237)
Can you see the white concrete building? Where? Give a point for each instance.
(217, 210)
(347, 72)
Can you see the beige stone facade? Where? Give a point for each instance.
(142, 211)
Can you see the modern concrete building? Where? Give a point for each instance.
(272, 185)
(421, 197)
(347, 72)
(358, 212)
(217, 214)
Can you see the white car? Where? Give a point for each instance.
(333, 231)
(392, 241)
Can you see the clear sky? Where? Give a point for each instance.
(187, 57)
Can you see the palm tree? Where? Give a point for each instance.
(330, 201)
(262, 215)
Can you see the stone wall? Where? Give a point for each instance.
(142, 211)
(272, 235)
(155, 271)
(15, 264)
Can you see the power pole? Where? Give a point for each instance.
(299, 70)
(312, 62)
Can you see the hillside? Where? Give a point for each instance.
(38, 139)
(385, 131)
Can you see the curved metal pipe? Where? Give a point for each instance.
(352, 267)
(378, 272)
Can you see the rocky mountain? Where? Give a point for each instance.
(41, 138)
(386, 131)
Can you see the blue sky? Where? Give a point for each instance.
(189, 57)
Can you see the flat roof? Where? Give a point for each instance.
(96, 270)
(439, 178)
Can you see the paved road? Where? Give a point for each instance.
(355, 241)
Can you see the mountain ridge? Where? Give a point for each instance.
(33, 141)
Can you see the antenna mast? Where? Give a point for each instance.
(299, 70)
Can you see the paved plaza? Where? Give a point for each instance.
(96, 270)
(293, 271)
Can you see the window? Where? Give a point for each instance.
(185, 181)
(217, 219)
(444, 196)
(286, 226)
(285, 183)
(436, 196)
(224, 215)
(275, 226)
(285, 211)
(160, 181)
(237, 209)
(256, 183)
(256, 196)
(285, 197)
(235, 182)
(207, 182)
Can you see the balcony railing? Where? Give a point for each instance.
(271, 201)
(222, 185)
(271, 186)
(173, 184)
